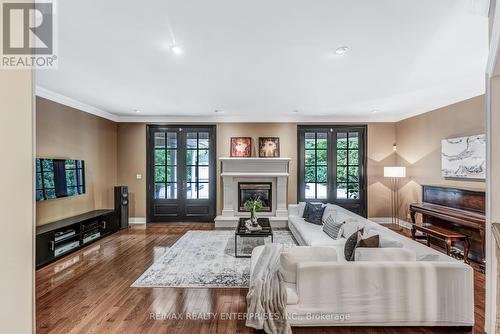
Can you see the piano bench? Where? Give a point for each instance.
(449, 237)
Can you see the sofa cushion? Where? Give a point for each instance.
(384, 254)
(350, 245)
(302, 206)
(385, 242)
(329, 211)
(351, 225)
(292, 256)
(308, 234)
(332, 228)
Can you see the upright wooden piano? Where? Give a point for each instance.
(458, 210)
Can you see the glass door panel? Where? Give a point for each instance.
(165, 165)
(315, 165)
(198, 169)
(332, 165)
(182, 165)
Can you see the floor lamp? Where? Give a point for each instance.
(395, 173)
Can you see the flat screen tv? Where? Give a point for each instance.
(57, 178)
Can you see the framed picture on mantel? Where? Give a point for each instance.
(241, 147)
(269, 147)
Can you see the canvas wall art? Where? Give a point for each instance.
(269, 147)
(241, 147)
(464, 157)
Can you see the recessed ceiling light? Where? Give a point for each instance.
(374, 111)
(341, 50)
(137, 111)
(295, 110)
(176, 49)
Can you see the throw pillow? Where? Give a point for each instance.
(385, 242)
(371, 242)
(332, 228)
(315, 215)
(350, 245)
(308, 208)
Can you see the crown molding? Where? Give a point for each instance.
(67, 101)
(221, 118)
(303, 118)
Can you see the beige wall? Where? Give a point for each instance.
(381, 138)
(419, 146)
(16, 202)
(64, 132)
(132, 161)
(287, 132)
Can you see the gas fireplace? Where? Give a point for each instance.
(248, 190)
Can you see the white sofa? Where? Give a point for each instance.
(434, 290)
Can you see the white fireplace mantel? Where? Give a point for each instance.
(234, 170)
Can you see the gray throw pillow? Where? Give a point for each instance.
(351, 243)
(332, 228)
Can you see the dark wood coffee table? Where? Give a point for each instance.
(243, 232)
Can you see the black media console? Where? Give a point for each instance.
(65, 236)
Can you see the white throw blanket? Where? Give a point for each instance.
(266, 298)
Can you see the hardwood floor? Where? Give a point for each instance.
(89, 292)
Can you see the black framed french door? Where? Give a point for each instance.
(332, 165)
(181, 185)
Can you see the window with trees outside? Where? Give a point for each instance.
(332, 165)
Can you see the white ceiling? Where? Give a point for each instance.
(260, 60)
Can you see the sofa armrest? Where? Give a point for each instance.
(414, 291)
(293, 209)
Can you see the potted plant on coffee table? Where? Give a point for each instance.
(253, 205)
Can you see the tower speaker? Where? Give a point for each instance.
(121, 205)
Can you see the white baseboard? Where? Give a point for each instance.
(137, 220)
(387, 220)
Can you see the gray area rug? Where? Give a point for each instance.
(205, 259)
